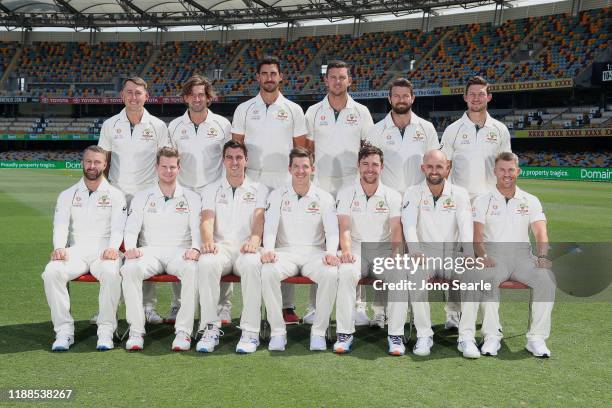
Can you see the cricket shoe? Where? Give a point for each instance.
(62, 342)
(343, 343)
(248, 342)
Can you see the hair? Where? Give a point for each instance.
(167, 152)
(368, 149)
(402, 83)
(232, 144)
(337, 64)
(268, 60)
(476, 80)
(96, 149)
(507, 156)
(301, 152)
(135, 80)
(197, 80)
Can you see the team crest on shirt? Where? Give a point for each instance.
(181, 207)
(184, 134)
(76, 202)
(286, 207)
(152, 207)
(465, 139)
(118, 134)
(381, 207)
(389, 140)
(418, 136)
(313, 208)
(449, 204)
(491, 137)
(222, 199)
(248, 197)
(355, 206)
(255, 114)
(104, 201)
(323, 120)
(351, 119)
(425, 205)
(147, 134)
(522, 209)
(282, 114)
(212, 133)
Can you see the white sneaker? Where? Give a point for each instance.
(490, 347)
(317, 343)
(105, 342)
(225, 315)
(452, 321)
(94, 319)
(182, 341)
(378, 320)
(248, 342)
(309, 316)
(343, 343)
(134, 343)
(423, 346)
(538, 348)
(361, 317)
(396, 346)
(62, 342)
(171, 316)
(469, 349)
(277, 343)
(152, 317)
(209, 340)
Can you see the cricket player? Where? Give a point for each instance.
(300, 236)
(368, 212)
(336, 126)
(231, 227)
(270, 125)
(502, 220)
(199, 136)
(437, 222)
(404, 138)
(87, 232)
(473, 141)
(133, 137)
(162, 234)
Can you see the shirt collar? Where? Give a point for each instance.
(187, 118)
(380, 190)
(145, 116)
(350, 103)
(518, 194)
(488, 121)
(446, 190)
(414, 120)
(278, 100)
(178, 191)
(226, 185)
(312, 192)
(104, 185)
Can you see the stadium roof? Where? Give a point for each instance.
(84, 14)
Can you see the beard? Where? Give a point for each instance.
(401, 108)
(270, 86)
(92, 174)
(435, 180)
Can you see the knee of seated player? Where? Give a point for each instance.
(209, 266)
(54, 271)
(106, 270)
(248, 264)
(132, 270)
(348, 274)
(270, 274)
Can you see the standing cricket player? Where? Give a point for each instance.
(133, 137)
(231, 227)
(437, 221)
(336, 126)
(87, 232)
(404, 138)
(300, 236)
(502, 220)
(199, 136)
(368, 213)
(162, 234)
(270, 125)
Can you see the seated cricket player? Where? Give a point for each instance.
(300, 236)
(502, 220)
(87, 232)
(162, 234)
(437, 222)
(368, 212)
(232, 226)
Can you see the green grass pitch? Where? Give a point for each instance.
(578, 374)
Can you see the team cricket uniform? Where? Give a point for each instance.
(133, 151)
(506, 237)
(337, 141)
(86, 223)
(268, 135)
(473, 151)
(436, 229)
(370, 222)
(200, 149)
(163, 229)
(234, 211)
(403, 153)
(303, 230)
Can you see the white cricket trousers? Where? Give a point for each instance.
(80, 260)
(309, 262)
(521, 268)
(154, 261)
